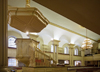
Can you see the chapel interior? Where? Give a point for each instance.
(49, 36)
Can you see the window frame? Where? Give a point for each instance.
(11, 62)
(77, 61)
(67, 63)
(76, 51)
(52, 49)
(14, 42)
(66, 50)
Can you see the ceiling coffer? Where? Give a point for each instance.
(26, 19)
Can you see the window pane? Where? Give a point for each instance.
(66, 62)
(76, 51)
(51, 48)
(12, 62)
(11, 42)
(77, 63)
(55, 49)
(65, 51)
(51, 61)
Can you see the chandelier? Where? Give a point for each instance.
(87, 44)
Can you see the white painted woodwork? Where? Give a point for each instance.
(28, 53)
(26, 19)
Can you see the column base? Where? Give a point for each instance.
(4, 69)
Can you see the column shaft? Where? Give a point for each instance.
(57, 53)
(82, 54)
(3, 36)
(71, 47)
(3, 31)
(54, 52)
(70, 58)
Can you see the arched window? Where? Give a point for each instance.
(66, 50)
(51, 48)
(11, 42)
(76, 51)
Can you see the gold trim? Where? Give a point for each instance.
(27, 3)
(70, 30)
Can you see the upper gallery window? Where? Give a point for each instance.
(51, 48)
(66, 50)
(76, 51)
(11, 42)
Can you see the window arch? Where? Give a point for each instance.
(66, 50)
(76, 52)
(11, 42)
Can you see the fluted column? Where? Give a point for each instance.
(71, 49)
(3, 36)
(55, 44)
(82, 54)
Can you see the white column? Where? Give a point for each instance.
(53, 51)
(70, 56)
(3, 36)
(82, 54)
(71, 48)
(55, 54)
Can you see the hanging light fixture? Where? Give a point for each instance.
(27, 18)
(87, 44)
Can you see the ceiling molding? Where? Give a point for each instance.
(70, 30)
